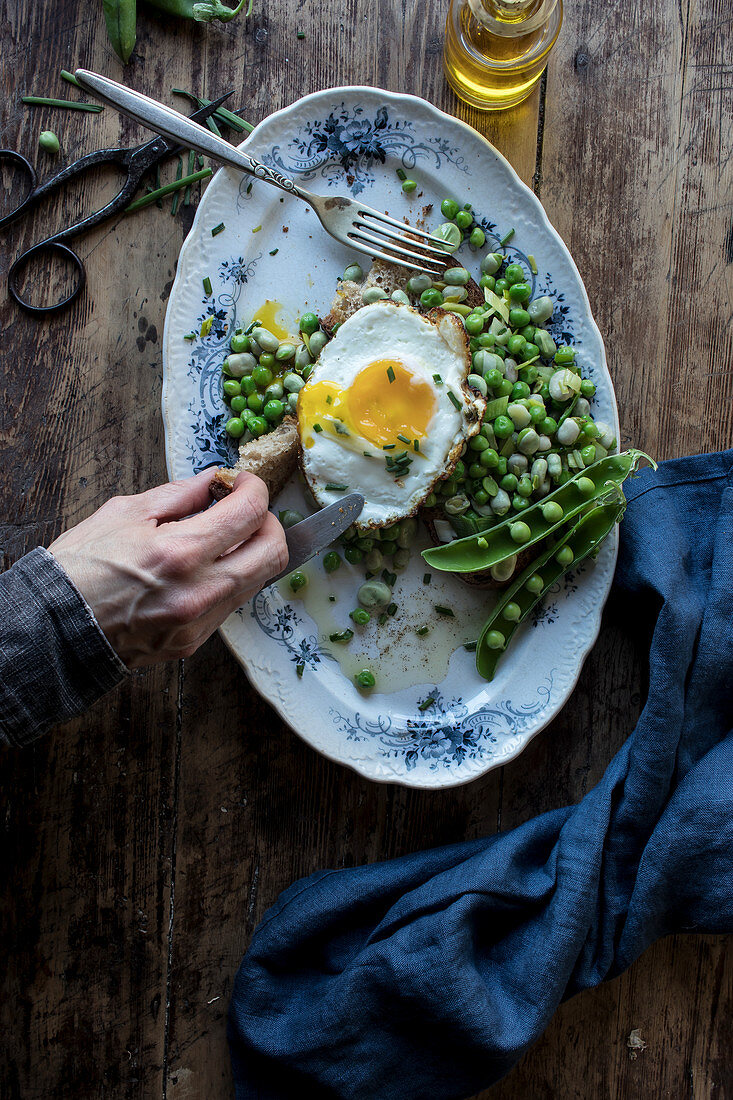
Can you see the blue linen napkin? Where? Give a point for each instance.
(432, 974)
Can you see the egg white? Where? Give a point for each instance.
(434, 349)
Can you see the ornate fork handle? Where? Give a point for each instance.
(261, 172)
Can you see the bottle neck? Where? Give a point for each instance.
(509, 18)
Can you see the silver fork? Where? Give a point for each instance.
(349, 221)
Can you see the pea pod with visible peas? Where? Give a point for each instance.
(578, 542)
(468, 555)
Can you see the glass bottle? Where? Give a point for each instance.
(496, 50)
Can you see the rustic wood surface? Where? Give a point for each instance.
(142, 843)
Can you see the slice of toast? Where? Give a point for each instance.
(273, 457)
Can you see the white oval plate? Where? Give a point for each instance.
(434, 730)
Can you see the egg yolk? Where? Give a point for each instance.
(384, 400)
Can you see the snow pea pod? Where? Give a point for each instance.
(120, 17)
(486, 548)
(203, 11)
(579, 541)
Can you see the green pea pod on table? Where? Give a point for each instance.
(120, 17)
(578, 542)
(480, 551)
(203, 11)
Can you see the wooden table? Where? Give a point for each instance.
(142, 844)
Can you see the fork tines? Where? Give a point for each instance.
(412, 247)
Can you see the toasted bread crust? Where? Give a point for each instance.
(273, 457)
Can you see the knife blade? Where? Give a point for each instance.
(306, 538)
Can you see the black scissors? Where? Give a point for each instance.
(135, 162)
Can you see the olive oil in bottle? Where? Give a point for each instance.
(496, 50)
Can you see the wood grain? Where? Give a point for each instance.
(144, 842)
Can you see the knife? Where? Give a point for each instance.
(306, 538)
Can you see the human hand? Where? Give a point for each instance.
(161, 574)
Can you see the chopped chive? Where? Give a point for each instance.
(190, 336)
(191, 166)
(341, 635)
(388, 447)
(200, 160)
(426, 578)
(470, 647)
(422, 631)
(274, 251)
(70, 78)
(390, 374)
(210, 122)
(168, 189)
(444, 610)
(438, 380)
(383, 618)
(454, 400)
(177, 196)
(401, 176)
(218, 229)
(532, 264)
(300, 34)
(416, 444)
(206, 326)
(403, 439)
(506, 238)
(207, 286)
(69, 104)
(329, 399)
(389, 578)
(317, 428)
(336, 488)
(427, 703)
(332, 599)
(300, 669)
(392, 609)
(367, 454)
(257, 229)
(249, 187)
(340, 429)
(389, 461)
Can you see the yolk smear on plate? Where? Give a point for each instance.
(271, 317)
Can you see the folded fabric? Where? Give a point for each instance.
(430, 975)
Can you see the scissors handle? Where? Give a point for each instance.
(49, 247)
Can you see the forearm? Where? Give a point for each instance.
(54, 659)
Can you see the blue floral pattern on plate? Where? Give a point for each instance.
(430, 735)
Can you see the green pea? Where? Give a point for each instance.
(503, 427)
(587, 388)
(297, 580)
(388, 547)
(518, 318)
(486, 340)
(588, 454)
(495, 639)
(274, 390)
(289, 517)
(524, 486)
(512, 612)
(239, 343)
(552, 512)
(564, 556)
(586, 487)
(534, 584)
(478, 443)
(481, 496)
(515, 344)
(459, 470)
(501, 286)
(331, 561)
(493, 378)
(408, 186)
(449, 208)
(476, 471)
(365, 678)
(489, 485)
(520, 390)
(353, 555)
(238, 404)
(501, 465)
(235, 427)
(474, 324)
(519, 503)
(564, 356)
(477, 238)
(527, 331)
(366, 544)
(232, 388)
(489, 459)
(487, 282)
(519, 292)
(430, 500)
(514, 274)
(48, 141)
(256, 402)
(262, 375)
(353, 274)
(537, 413)
(491, 263)
(450, 235)
(548, 426)
(509, 483)
(431, 298)
(258, 425)
(463, 219)
(359, 616)
(529, 351)
(274, 411)
(309, 323)
(267, 360)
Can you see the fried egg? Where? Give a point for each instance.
(387, 409)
